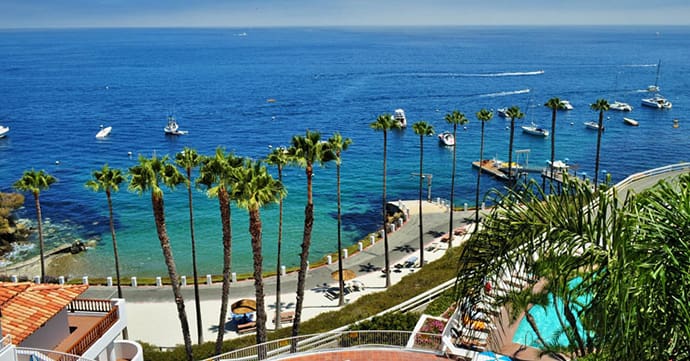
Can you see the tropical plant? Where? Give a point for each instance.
(601, 105)
(555, 105)
(483, 116)
(423, 129)
(35, 182)
(307, 151)
(279, 158)
(513, 113)
(217, 174)
(253, 188)
(456, 118)
(108, 180)
(339, 144)
(149, 176)
(384, 123)
(188, 159)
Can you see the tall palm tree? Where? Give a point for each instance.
(151, 174)
(384, 123)
(456, 118)
(279, 158)
(108, 180)
(254, 188)
(601, 105)
(514, 112)
(339, 144)
(218, 174)
(554, 104)
(306, 151)
(483, 116)
(423, 129)
(189, 159)
(35, 182)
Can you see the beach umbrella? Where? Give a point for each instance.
(243, 306)
(348, 274)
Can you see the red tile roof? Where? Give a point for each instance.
(26, 307)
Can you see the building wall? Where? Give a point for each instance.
(51, 334)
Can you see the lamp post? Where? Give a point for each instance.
(428, 177)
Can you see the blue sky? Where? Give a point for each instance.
(253, 13)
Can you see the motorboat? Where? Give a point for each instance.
(630, 121)
(533, 129)
(446, 139)
(593, 125)
(657, 102)
(502, 112)
(104, 132)
(620, 106)
(173, 128)
(566, 105)
(3, 131)
(399, 116)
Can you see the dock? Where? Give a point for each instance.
(491, 167)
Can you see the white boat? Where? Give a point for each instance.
(173, 128)
(535, 130)
(502, 112)
(446, 139)
(630, 121)
(104, 132)
(566, 105)
(3, 131)
(399, 116)
(593, 125)
(657, 102)
(620, 106)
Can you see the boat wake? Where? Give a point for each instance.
(505, 93)
(467, 75)
(640, 65)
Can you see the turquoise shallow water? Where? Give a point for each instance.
(60, 85)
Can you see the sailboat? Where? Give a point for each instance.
(657, 101)
(620, 106)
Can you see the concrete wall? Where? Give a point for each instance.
(51, 334)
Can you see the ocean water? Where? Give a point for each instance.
(59, 86)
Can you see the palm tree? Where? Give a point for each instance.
(513, 113)
(339, 144)
(601, 105)
(423, 129)
(483, 116)
(189, 159)
(522, 301)
(279, 158)
(108, 180)
(306, 151)
(217, 174)
(554, 104)
(455, 118)
(254, 188)
(150, 175)
(384, 123)
(34, 182)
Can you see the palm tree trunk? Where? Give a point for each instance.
(533, 324)
(510, 149)
(341, 282)
(197, 301)
(421, 223)
(280, 241)
(159, 216)
(40, 236)
(226, 220)
(304, 256)
(452, 187)
(479, 176)
(596, 161)
(573, 325)
(255, 231)
(125, 334)
(553, 140)
(387, 268)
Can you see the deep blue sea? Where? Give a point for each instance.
(58, 86)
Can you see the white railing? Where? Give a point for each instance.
(423, 342)
(652, 172)
(26, 354)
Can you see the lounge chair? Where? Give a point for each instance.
(246, 327)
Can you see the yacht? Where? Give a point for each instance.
(620, 106)
(535, 130)
(502, 112)
(3, 131)
(446, 138)
(399, 116)
(630, 121)
(593, 125)
(104, 132)
(566, 105)
(657, 101)
(173, 128)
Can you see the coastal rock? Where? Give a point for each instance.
(77, 247)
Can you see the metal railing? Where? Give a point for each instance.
(423, 342)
